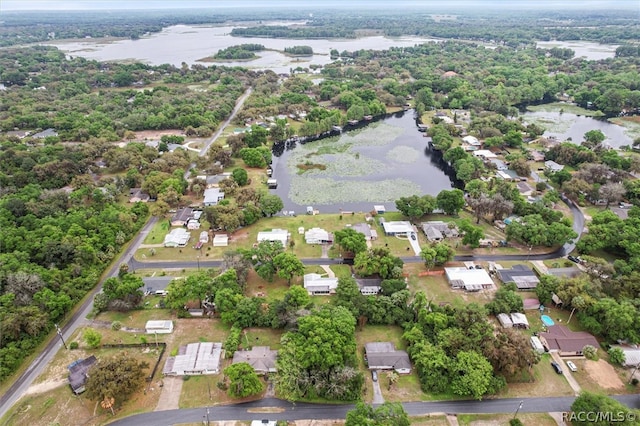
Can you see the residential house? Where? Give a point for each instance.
(523, 277)
(178, 237)
(194, 359)
(318, 236)
(631, 355)
(45, 134)
(558, 338)
(469, 279)
(485, 154)
(398, 228)
(437, 230)
(525, 189)
(138, 195)
(261, 358)
(79, 372)
(384, 356)
(365, 229)
(220, 240)
(212, 196)
(369, 286)
(499, 164)
(159, 327)
(281, 235)
(536, 156)
(316, 284)
(472, 142)
(193, 224)
(182, 216)
(552, 166)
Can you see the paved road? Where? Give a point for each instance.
(283, 410)
(35, 369)
(37, 366)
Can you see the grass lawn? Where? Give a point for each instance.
(137, 318)
(200, 391)
(546, 382)
(538, 419)
(438, 290)
(256, 286)
(429, 420)
(261, 337)
(157, 233)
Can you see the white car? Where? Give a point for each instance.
(572, 366)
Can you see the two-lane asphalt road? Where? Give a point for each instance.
(276, 409)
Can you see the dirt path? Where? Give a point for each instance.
(45, 386)
(170, 396)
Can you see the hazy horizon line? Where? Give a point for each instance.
(80, 5)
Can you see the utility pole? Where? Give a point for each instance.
(518, 409)
(60, 334)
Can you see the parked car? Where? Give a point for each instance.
(374, 376)
(413, 236)
(556, 367)
(573, 259)
(572, 366)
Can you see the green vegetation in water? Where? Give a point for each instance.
(313, 190)
(310, 166)
(403, 154)
(564, 107)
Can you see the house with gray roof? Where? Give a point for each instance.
(78, 373)
(261, 358)
(437, 230)
(521, 275)
(384, 356)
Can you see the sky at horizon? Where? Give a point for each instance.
(26, 5)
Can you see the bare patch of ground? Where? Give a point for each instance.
(156, 134)
(604, 374)
(45, 386)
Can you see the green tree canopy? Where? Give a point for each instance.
(243, 380)
(117, 377)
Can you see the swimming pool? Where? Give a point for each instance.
(546, 319)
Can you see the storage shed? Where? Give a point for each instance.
(159, 327)
(505, 320)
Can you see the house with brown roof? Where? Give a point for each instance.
(261, 358)
(558, 338)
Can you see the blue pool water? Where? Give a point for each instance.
(546, 319)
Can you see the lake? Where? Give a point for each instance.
(356, 170)
(566, 125)
(185, 43)
(584, 49)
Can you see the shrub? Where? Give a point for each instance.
(143, 340)
(73, 345)
(116, 325)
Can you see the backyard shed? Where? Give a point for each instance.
(519, 320)
(505, 320)
(159, 327)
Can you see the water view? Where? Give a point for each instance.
(189, 44)
(374, 165)
(566, 126)
(584, 49)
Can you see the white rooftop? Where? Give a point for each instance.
(484, 153)
(468, 276)
(195, 358)
(281, 235)
(397, 227)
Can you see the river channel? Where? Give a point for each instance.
(372, 165)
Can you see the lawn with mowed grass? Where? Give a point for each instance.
(545, 382)
(538, 419)
(256, 336)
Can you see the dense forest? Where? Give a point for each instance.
(605, 26)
